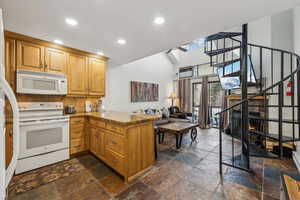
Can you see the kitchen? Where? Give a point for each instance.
(59, 91)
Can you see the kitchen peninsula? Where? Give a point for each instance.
(124, 141)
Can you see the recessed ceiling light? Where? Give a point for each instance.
(121, 41)
(58, 41)
(100, 53)
(71, 22)
(159, 20)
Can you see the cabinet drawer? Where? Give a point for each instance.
(114, 142)
(97, 123)
(77, 120)
(77, 145)
(115, 128)
(115, 161)
(77, 131)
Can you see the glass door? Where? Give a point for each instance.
(196, 91)
(214, 101)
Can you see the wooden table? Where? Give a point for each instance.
(177, 128)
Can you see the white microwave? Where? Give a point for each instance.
(33, 82)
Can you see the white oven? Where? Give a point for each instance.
(44, 135)
(32, 82)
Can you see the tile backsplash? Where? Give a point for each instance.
(78, 102)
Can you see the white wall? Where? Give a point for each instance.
(282, 30)
(153, 69)
(296, 37)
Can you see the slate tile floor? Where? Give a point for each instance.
(190, 173)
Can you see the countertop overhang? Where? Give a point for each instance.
(122, 118)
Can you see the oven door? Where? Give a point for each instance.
(43, 136)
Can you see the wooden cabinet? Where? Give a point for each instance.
(129, 149)
(36, 57)
(77, 75)
(96, 77)
(8, 143)
(97, 145)
(85, 71)
(10, 49)
(30, 56)
(55, 61)
(78, 136)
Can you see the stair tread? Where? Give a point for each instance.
(222, 35)
(219, 65)
(257, 151)
(274, 136)
(220, 51)
(288, 121)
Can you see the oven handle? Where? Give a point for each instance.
(8, 92)
(43, 122)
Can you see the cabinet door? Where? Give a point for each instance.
(77, 75)
(8, 143)
(30, 56)
(101, 143)
(10, 61)
(93, 141)
(55, 61)
(96, 77)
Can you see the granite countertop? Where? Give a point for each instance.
(123, 118)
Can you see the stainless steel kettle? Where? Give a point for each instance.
(70, 109)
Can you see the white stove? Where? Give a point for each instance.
(44, 135)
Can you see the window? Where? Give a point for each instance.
(196, 44)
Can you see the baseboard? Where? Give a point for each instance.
(296, 160)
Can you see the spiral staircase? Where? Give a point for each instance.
(274, 69)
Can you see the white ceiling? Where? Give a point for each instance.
(102, 22)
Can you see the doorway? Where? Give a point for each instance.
(214, 101)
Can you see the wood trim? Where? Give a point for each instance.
(238, 97)
(10, 62)
(10, 34)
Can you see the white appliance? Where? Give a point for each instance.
(88, 106)
(44, 135)
(5, 90)
(33, 82)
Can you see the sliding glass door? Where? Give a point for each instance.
(214, 101)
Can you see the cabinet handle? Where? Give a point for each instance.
(77, 132)
(77, 146)
(78, 121)
(113, 142)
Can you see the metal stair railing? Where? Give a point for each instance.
(269, 90)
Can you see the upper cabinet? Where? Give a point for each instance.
(55, 60)
(96, 77)
(30, 56)
(85, 71)
(77, 75)
(10, 49)
(39, 58)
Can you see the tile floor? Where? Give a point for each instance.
(189, 173)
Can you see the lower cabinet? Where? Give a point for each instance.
(97, 142)
(78, 135)
(128, 149)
